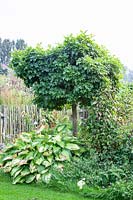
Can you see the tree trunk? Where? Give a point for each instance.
(74, 119)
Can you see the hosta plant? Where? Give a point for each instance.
(33, 155)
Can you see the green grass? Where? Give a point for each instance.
(31, 191)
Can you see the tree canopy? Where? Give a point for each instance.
(73, 72)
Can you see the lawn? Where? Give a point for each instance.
(8, 191)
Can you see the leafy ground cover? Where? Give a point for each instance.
(31, 192)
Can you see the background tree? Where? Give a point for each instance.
(128, 75)
(3, 71)
(6, 50)
(7, 46)
(73, 72)
(20, 44)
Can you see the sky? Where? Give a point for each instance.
(48, 21)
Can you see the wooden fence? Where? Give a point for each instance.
(14, 120)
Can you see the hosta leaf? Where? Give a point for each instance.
(46, 163)
(34, 144)
(64, 155)
(41, 149)
(56, 149)
(60, 128)
(7, 169)
(40, 168)
(17, 173)
(68, 138)
(22, 162)
(46, 147)
(8, 164)
(61, 144)
(25, 138)
(71, 146)
(23, 152)
(50, 158)
(44, 171)
(47, 153)
(9, 147)
(30, 178)
(33, 167)
(38, 177)
(30, 156)
(7, 158)
(14, 170)
(16, 162)
(39, 161)
(25, 172)
(22, 180)
(17, 179)
(57, 138)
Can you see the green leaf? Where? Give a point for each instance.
(61, 144)
(47, 153)
(7, 169)
(23, 152)
(9, 147)
(39, 160)
(22, 162)
(56, 149)
(40, 168)
(14, 170)
(25, 172)
(61, 128)
(25, 138)
(33, 167)
(30, 156)
(71, 146)
(17, 173)
(64, 155)
(16, 179)
(57, 138)
(41, 149)
(30, 178)
(16, 161)
(7, 158)
(46, 163)
(38, 177)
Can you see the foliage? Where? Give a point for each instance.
(99, 130)
(124, 106)
(121, 190)
(94, 172)
(108, 128)
(73, 72)
(34, 154)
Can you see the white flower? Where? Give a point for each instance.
(81, 183)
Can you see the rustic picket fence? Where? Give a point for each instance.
(18, 119)
(14, 120)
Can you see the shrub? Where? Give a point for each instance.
(33, 155)
(121, 190)
(94, 172)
